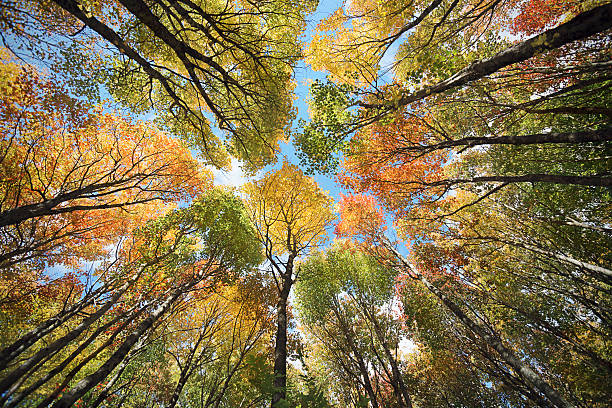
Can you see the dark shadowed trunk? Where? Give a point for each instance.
(587, 136)
(580, 27)
(525, 371)
(280, 347)
(594, 180)
(87, 383)
(363, 368)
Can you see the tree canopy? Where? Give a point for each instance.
(434, 231)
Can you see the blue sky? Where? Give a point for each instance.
(303, 75)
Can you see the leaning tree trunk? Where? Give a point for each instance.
(402, 395)
(51, 349)
(528, 374)
(363, 368)
(580, 27)
(577, 137)
(87, 383)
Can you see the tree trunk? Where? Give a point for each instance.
(594, 181)
(280, 347)
(186, 370)
(580, 27)
(104, 394)
(179, 388)
(48, 207)
(12, 351)
(603, 272)
(60, 343)
(403, 397)
(106, 32)
(522, 369)
(16, 399)
(588, 136)
(87, 383)
(367, 384)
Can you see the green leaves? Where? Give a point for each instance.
(340, 271)
(214, 228)
(324, 139)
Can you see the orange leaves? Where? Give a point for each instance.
(22, 293)
(383, 163)
(360, 216)
(76, 177)
(26, 97)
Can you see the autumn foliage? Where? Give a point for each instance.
(460, 259)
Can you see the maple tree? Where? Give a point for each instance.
(291, 215)
(74, 178)
(341, 107)
(487, 144)
(193, 63)
(471, 265)
(175, 260)
(357, 208)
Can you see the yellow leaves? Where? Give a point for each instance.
(334, 21)
(340, 46)
(289, 209)
(350, 44)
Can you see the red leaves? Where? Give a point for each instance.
(385, 163)
(538, 15)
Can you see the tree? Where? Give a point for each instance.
(527, 273)
(188, 252)
(74, 178)
(191, 62)
(496, 174)
(356, 311)
(341, 108)
(474, 133)
(358, 211)
(291, 215)
(339, 291)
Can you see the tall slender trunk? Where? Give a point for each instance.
(76, 369)
(527, 373)
(402, 395)
(280, 346)
(580, 27)
(104, 394)
(578, 137)
(186, 370)
(87, 383)
(60, 343)
(593, 180)
(363, 368)
(179, 388)
(12, 351)
(16, 399)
